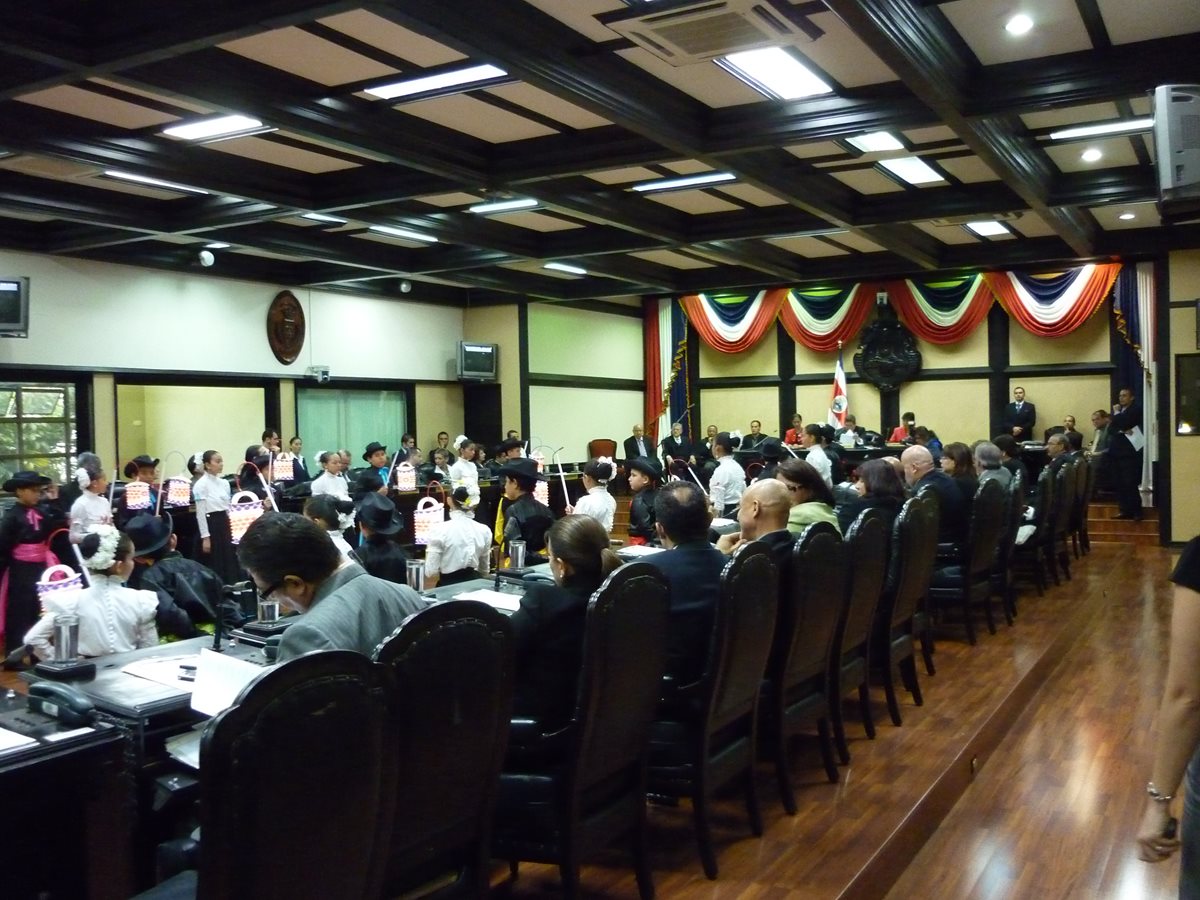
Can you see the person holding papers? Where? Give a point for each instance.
(292, 560)
(1125, 443)
(112, 617)
(548, 628)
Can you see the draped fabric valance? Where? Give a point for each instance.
(938, 311)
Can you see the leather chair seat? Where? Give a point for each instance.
(948, 577)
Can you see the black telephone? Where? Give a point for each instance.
(61, 701)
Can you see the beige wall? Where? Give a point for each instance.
(812, 402)
(1185, 450)
(439, 408)
(287, 410)
(570, 417)
(810, 362)
(731, 409)
(956, 409)
(104, 418)
(761, 359)
(500, 325)
(567, 341)
(972, 351)
(1087, 343)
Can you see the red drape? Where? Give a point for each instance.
(652, 368)
(911, 314)
(1099, 284)
(861, 305)
(698, 315)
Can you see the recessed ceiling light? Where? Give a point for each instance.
(876, 142)
(670, 184)
(153, 182)
(564, 267)
(441, 81)
(1126, 216)
(1083, 131)
(321, 217)
(403, 233)
(1018, 25)
(222, 127)
(912, 169)
(1091, 154)
(774, 72)
(217, 245)
(503, 205)
(988, 228)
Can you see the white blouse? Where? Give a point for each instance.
(112, 619)
(89, 509)
(340, 542)
(332, 485)
(211, 494)
(464, 473)
(599, 504)
(727, 484)
(458, 543)
(819, 460)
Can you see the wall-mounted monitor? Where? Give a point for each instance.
(14, 306)
(1177, 151)
(477, 362)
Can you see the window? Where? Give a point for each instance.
(37, 429)
(332, 419)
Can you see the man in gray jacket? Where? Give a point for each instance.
(343, 608)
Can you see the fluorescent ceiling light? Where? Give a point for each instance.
(1126, 216)
(217, 245)
(564, 267)
(1084, 131)
(426, 83)
(1091, 154)
(1019, 24)
(503, 205)
(774, 72)
(223, 127)
(321, 217)
(875, 142)
(669, 184)
(153, 182)
(403, 233)
(988, 228)
(912, 169)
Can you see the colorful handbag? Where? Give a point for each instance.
(178, 491)
(49, 586)
(541, 493)
(137, 495)
(406, 477)
(244, 510)
(282, 468)
(429, 512)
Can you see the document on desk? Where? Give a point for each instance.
(220, 677)
(635, 550)
(510, 602)
(165, 670)
(10, 740)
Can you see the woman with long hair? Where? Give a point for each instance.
(959, 463)
(812, 499)
(212, 495)
(878, 487)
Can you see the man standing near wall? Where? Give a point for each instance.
(1125, 443)
(1019, 416)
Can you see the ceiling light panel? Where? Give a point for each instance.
(1128, 126)
(499, 206)
(403, 233)
(460, 79)
(774, 72)
(988, 229)
(876, 142)
(219, 128)
(153, 182)
(565, 267)
(690, 181)
(912, 169)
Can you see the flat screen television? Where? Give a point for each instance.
(14, 306)
(477, 362)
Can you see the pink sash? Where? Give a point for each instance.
(26, 553)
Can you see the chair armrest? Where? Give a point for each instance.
(173, 857)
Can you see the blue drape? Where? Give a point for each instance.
(730, 308)
(945, 296)
(1129, 324)
(823, 303)
(1046, 288)
(681, 389)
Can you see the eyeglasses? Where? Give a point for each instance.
(263, 595)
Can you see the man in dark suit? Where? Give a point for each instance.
(675, 446)
(693, 569)
(1019, 417)
(637, 445)
(292, 560)
(1067, 427)
(921, 476)
(1126, 458)
(1057, 450)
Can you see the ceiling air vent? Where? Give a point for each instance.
(687, 33)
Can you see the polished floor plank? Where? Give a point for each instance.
(835, 846)
(1053, 814)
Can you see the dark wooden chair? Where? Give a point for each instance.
(1056, 550)
(849, 664)
(1029, 556)
(602, 447)
(923, 618)
(913, 552)
(1003, 583)
(297, 786)
(968, 584)
(707, 733)
(1084, 480)
(452, 686)
(584, 786)
(797, 690)
(1093, 473)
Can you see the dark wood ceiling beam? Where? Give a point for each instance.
(1128, 184)
(69, 237)
(75, 202)
(637, 273)
(341, 193)
(916, 44)
(559, 155)
(206, 213)
(338, 249)
(770, 261)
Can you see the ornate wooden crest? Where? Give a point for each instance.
(285, 327)
(887, 355)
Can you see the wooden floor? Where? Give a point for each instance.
(1055, 715)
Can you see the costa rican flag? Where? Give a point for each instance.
(839, 405)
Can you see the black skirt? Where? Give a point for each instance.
(223, 557)
(458, 577)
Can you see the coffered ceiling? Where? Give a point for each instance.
(571, 116)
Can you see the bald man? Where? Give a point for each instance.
(1058, 450)
(923, 478)
(763, 517)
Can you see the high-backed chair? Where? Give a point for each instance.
(922, 618)
(1029, 556)
(914, 549)
(297, 786)
(849, 664)
(1056, 549)
(587, 787)
(711, 735)
(968, 583)
(797, 675)
(1003, 585)
(452, 669)
(602, 447)
(1079, 511)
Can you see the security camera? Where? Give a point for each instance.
(320, 373)
(205, 258)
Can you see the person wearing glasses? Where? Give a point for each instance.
(291, 559)
(812, 498)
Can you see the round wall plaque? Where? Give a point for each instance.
(285, 327)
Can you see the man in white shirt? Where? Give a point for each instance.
(728, 481)
(811, 440)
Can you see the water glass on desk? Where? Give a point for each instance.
(415, 574)
(66, 637)
(516, 554)
(268, 610)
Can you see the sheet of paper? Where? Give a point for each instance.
(10, 740)
(63, 735)
(164, 670)
(219, 679)
(1136, 438)
(638, 550)
(185, 748)
(718, 522)
(511, 602)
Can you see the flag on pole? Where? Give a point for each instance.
(839, 405)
